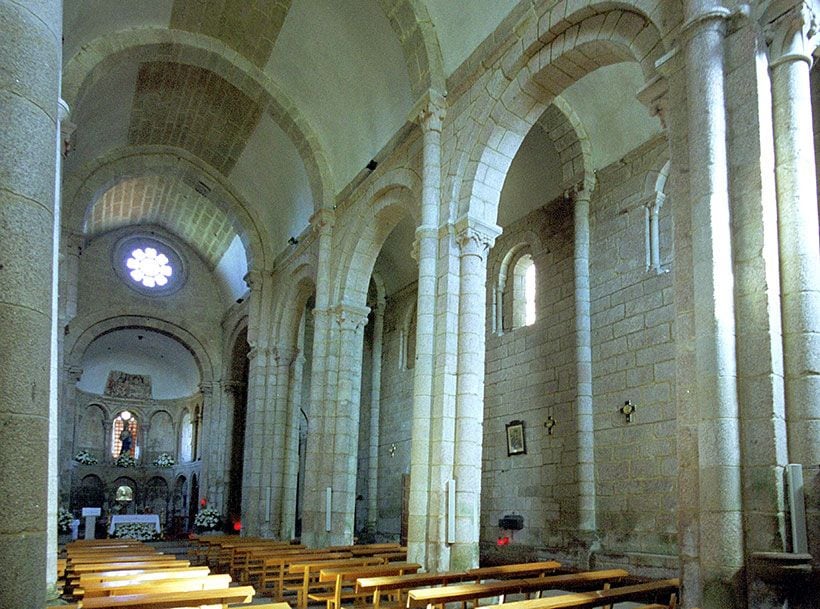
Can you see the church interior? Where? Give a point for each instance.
(497, 280)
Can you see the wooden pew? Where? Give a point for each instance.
(90, 580)
(524, 569)
(271, 573)
(309, 572)
(661, 593)
(344, 580)
(247, 558)
(135, 586)
(397, 584)
(461, 593)
(173, 600)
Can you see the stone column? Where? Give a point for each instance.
(475, 240)
(584, 425)
(790, 53)
(29, 113)
(429, 117)
(254, 478)
(375, 402)
(289, 486)
(313, 521)
(278, 428)
(217, 432)
(714, 394)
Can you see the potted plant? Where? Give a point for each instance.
(64, 520)
(125, 460)
(85, 458)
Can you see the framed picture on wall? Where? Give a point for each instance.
(516, 441)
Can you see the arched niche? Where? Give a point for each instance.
(161, 435)
(91, 431)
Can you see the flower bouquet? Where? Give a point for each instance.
(164, 460)
(141, 531)
(207, 519)
(125, 460)
(85, 458)
(64, 520)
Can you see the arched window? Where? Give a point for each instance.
(407, 340)
(124, 435)
(186, 448)
(523, 297)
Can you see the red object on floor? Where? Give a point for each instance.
(503, 541)
(237, 526)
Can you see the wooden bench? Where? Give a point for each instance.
(249, 560)
(461, 593)
(91, 580)
(397, 584)
(344, 581)
(173, 600)
(271, 573)
(524, 569)
(662, 593)
(309, 572)
(136, 586)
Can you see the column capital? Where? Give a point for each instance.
(73, 373)
(655, 96)
(253, 279)
(429, 111)
(352, 317)
(791, 32)
(206, 388)
(262, 353)
(323, 220)
(73, 243)
(474, 236)
(284, 356)
(581, 190)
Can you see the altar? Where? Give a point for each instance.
(123, 518)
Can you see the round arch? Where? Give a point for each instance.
(82, 191)
(157, 44)
(593, 37)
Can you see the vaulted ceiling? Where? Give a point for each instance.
(223, 118)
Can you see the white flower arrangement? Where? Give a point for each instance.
(207, 519)
(164, 460)
(141, 531)
(64, 520)
(85, 458)
(125, 460)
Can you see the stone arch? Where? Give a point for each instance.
(422, 53)
(90, 492)
(162, 434)
(146, 44)
(83, 190)
(156, 497)
(365, 231)
(91, 429)
(407, 337)
(91, 328)
(291, 304)
(577, 44)
(528, 244)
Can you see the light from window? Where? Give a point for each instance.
(149, 267)
(529, 295)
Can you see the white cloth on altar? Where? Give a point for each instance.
(121, 518)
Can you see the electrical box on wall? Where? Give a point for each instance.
(511, 522)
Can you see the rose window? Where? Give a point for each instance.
(149, 267)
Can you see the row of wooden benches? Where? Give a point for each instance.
(130, 576)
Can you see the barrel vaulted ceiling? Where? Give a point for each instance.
(220, 118)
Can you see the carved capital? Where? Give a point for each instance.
(655, 96)
(351, 317)
(322, 221)
(253, 279)
(791, 33)
(430, 110)
(475, 237)
(284, 356)
(207, 388)
(73, 373)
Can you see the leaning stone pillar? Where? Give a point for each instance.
(375, 410)
(790, 53)
(430, 119)
(475, 240)
(287, 529)
(313, 520)
(584, 426)
(28, 112)
(714, 394)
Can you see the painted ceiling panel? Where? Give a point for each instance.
(343, 66)
(249, 27)
(192, 108)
